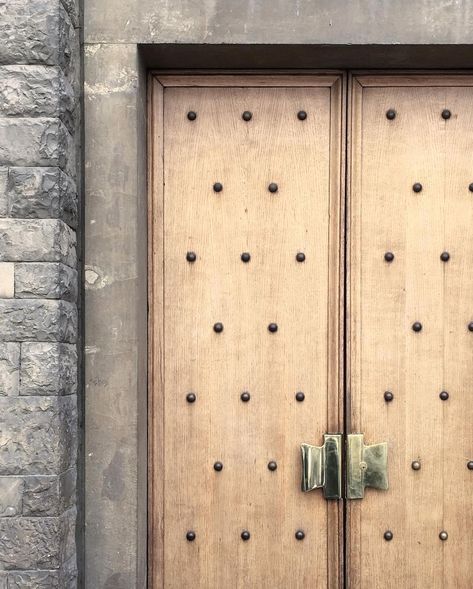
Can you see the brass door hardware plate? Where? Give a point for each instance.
(366, 466)
(321, 466)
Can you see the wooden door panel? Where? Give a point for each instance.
(304, 158)
(386, 298)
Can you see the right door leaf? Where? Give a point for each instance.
(410, 327)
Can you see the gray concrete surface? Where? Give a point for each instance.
(279, 21)
(116, 315)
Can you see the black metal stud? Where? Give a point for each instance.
(245, 397)
(388, 396)
(302, 115)
(470, 187)
(300, 397)
(444, 256)
(446, 114)
(247, 116)
(191, 257)
(218, 327)
(388, 536)
(273, 327)
(470, 326)
(272, 465)
(389, 256)
(245, 535)
(218, 187)
(444, 395)
(469, 465)
(443, 535)
(417, 327)
(417, 187)
(218, 466)
(190, 536)
(300, 257)
(245, 257)
(415, 465)
(191, 115)
(391, 114)
(299, 535)
(273, 187)
(191, 397)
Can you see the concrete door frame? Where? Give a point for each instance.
(115, 238)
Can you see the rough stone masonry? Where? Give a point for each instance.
(39, 122)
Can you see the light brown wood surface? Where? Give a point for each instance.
(305, 159)
(385, 299)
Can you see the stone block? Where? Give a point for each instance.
(3, 192)
(36, 91)
(37, 240)
(36, 142)
(63, 578)
(49, 496)
(45, 280)
(33, 580)
(11, 496)
(40, 193)
(36, 543)
(37, 320)
(7, 280)
(38, 435)
(73, 10)
(9, 369)
(48, 369)
(33, 32)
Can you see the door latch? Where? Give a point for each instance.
(366, 466)
(321, 466)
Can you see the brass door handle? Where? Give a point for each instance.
(321, 466)
(366, 466)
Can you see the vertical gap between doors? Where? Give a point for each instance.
(345, 329)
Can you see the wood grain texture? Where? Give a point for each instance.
(410, 79)
(156, 447)
(251, 79)
(385, 299)
(304, 159)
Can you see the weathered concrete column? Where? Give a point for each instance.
(39, 119)
(116, 317)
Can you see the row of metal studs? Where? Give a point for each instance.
(245, 397)
(245, 257)
(302, 115)
(273, 187)
(246, 115)
(300, 535)
(389, 396)
(273, 327)
(391, 114)
(272, 465)
(388, 535)
(245, 535)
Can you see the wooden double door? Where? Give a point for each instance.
(311, 272)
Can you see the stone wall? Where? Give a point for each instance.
(39, 131)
